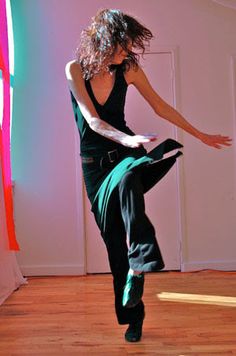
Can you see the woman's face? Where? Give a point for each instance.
(120, 54)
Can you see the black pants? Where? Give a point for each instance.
(126, 218)
(128, 223)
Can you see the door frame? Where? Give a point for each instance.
(175, 75)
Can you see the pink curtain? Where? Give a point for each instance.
(10, 275)
(5, 128)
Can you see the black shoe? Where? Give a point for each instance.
(133, 290)
(134, 331)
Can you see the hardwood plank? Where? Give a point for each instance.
(186, 314)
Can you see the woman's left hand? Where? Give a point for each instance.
(215, 140)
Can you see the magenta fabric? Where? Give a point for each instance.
(5, 148)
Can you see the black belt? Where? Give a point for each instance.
(105, 160)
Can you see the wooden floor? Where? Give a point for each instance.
(186, 314)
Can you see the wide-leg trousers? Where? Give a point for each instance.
(130, 241)
(129, 235)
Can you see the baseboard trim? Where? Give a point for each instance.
(54, 270)
(78, 270)
(217, 265)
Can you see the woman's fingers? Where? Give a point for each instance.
(138, 140)
(216, 140)
(224, 139)
(146, 138)
(151, 136)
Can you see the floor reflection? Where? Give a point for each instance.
(198, 298)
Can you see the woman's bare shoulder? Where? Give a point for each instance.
(71, 67)
(131, 74)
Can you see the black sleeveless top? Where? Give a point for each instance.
(101, 183)
(91, 143)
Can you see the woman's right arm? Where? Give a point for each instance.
(77, 87)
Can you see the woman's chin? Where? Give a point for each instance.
(118, 61)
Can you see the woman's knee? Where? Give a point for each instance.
(130, 179)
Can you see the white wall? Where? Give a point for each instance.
(44, 144)
(46, 168)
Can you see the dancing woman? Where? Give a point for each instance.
(117, 169)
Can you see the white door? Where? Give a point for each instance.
(162, 201)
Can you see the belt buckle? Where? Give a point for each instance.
(109, 153)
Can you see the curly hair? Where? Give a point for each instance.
(98, 42)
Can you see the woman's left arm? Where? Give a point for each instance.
(164, 110)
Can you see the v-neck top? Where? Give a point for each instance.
(110, 94)
(112, 111)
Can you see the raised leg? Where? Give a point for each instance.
(144, 253)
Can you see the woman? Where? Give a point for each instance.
(116, 167)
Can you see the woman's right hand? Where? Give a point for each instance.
(138, 140)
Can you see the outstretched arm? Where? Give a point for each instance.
(164, 110)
